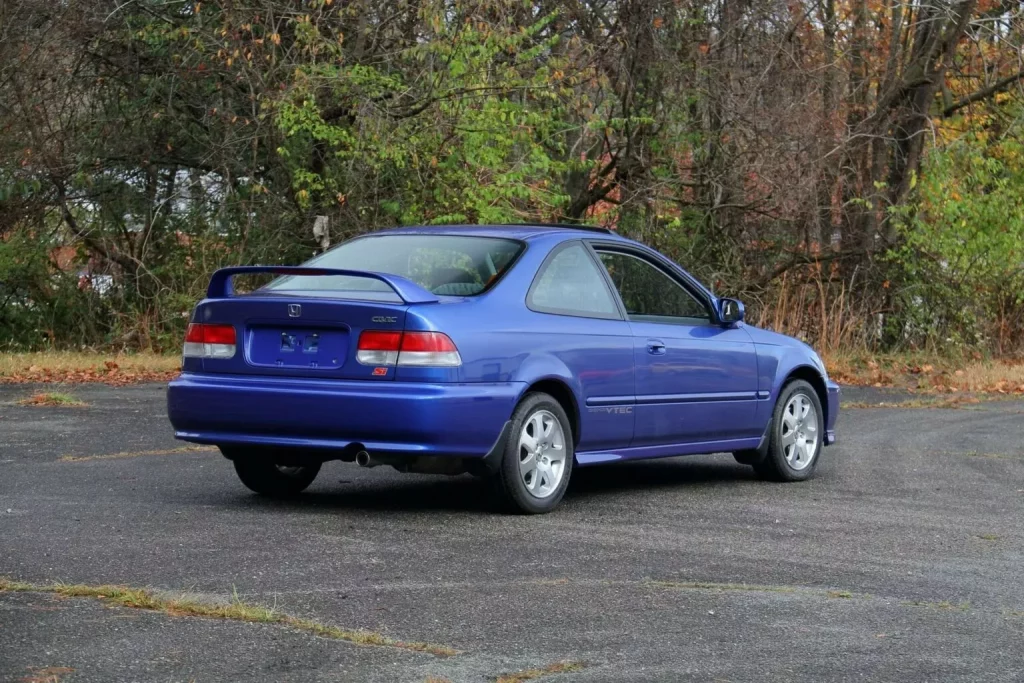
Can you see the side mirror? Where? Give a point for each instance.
(730, 311)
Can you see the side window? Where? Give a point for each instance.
(571, 284)
(648, 293)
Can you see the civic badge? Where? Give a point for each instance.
(294, 310)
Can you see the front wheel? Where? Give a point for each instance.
(262, 475)
(795, 440)
(538, 457)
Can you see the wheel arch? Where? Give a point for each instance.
(559, 389)
(812, 376)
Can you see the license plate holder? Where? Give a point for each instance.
(298, 347)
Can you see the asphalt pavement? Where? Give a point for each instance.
(902, 560)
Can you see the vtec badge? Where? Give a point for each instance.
(384, 319)
(612, 410)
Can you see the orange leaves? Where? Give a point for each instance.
(48, 674)
(111, 374)
(977, 378)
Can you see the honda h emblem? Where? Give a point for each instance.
(294, 310)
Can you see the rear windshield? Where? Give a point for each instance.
(447, 265)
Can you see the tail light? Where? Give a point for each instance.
(209, 341)
(379, 347)
(428, 349)
(407, 349)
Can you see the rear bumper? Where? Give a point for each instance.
(396, 418)
(833, 411)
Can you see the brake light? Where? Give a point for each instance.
(194, 334)
(209, 341)
(379, 347)
(427, 342)
(428, 349)
(408, 349)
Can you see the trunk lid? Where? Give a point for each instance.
(298, 331)
(292, 336)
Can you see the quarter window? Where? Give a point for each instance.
(570, 283)
(648, 293)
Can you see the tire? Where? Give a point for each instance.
(797, 412)
(522, 486)
(261, 474)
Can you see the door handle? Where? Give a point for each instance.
(655, 347)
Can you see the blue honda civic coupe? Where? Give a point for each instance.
(514, 353)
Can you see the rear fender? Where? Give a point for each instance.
(540, 367)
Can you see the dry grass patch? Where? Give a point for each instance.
(47, 674)
(52, 399)
(927, 373)
(953, 403)
(236, 610)
(989, 376)
(77, 367)
(138, 454)
(533, 674)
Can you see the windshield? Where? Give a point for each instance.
(447, 265)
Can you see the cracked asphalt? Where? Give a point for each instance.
(900, 561)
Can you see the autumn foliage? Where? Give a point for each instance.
(850, 168)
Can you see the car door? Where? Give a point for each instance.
(696, 380)
(584, 329)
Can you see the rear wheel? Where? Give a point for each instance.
(797, 428)
(262, 474)
(538, 458)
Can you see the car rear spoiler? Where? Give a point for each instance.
(410, 292)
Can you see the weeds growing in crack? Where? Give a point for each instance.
(236, 610)
(53, 399)
(533, 674)
(137, 454)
